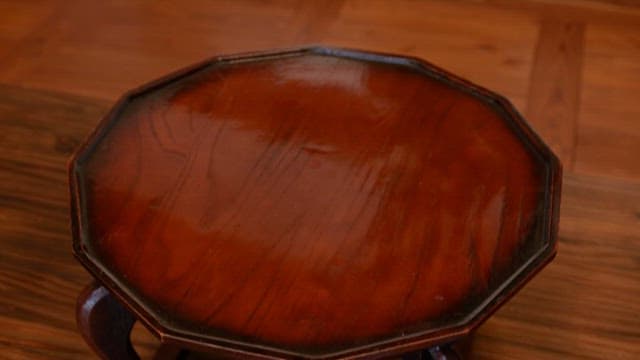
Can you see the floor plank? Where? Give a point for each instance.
(39, 278)
(609, 133)
(583, 11)
(555, 87)
(104, 49)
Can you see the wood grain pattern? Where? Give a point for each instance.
(79, 52)
(232, 202)
(610, 146)
(39, 132)
(554, 95)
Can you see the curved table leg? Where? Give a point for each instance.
(105, 324)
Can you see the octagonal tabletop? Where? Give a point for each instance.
(314, 203)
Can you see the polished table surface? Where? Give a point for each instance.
(571, 67)
(315, 200)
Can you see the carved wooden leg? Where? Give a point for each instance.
(105, 324)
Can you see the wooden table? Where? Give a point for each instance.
(571, 67)
(314, 203)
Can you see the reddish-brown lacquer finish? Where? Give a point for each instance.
(314, 203)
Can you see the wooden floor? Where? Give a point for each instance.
(572, 67)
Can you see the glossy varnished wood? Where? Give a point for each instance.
(64, 63)
(288, 199)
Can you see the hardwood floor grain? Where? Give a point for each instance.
(609, 132)
(62, 64)
(554, 92)
(39, 278)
